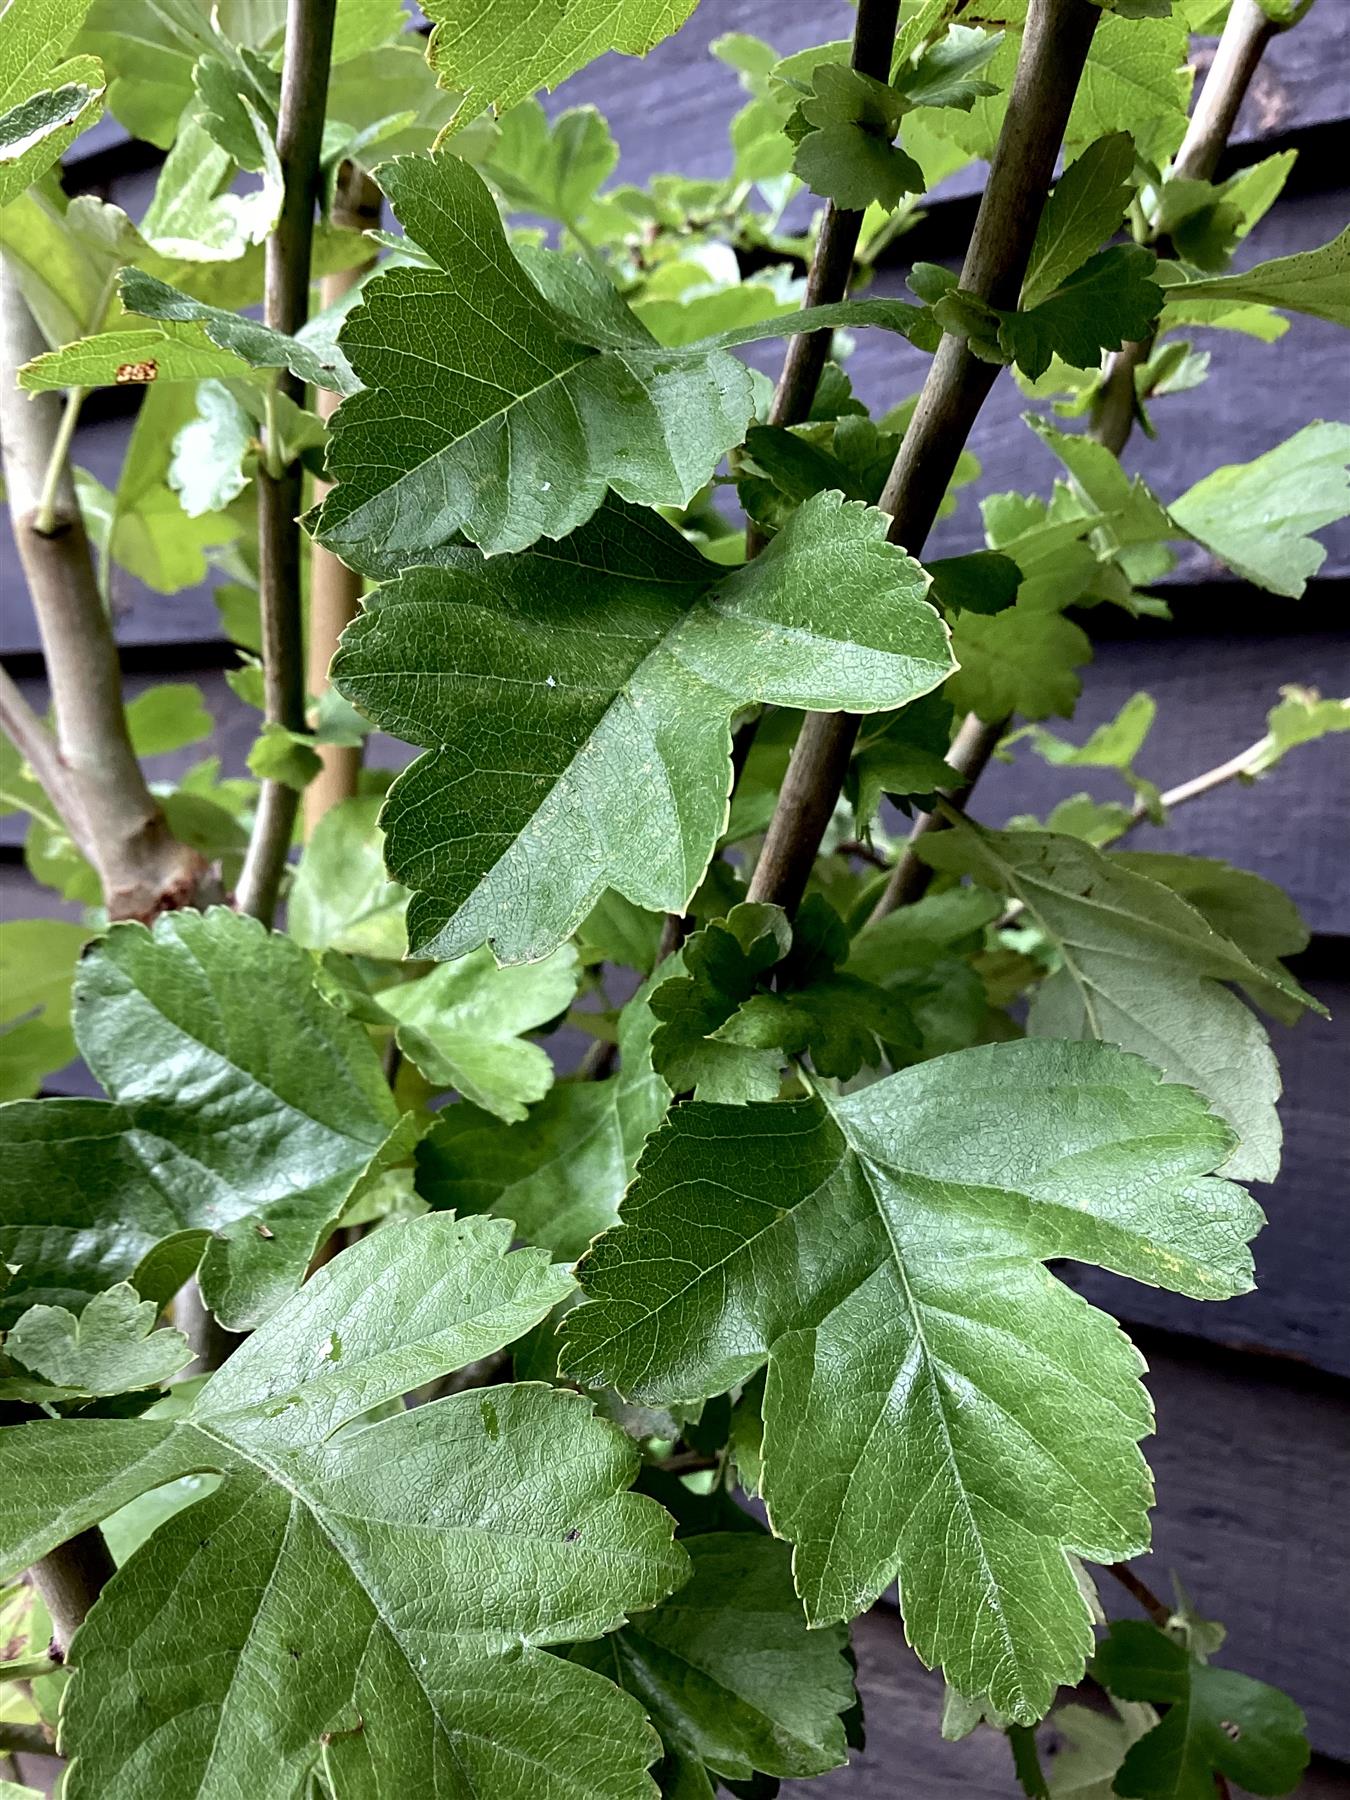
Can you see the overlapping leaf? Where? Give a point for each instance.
(929, 1383)
(1142, 968)
(727, 1670)
(576, 705)
(560, 1174)
(243, 1110)
(1310, 281)
(504, 394)
(111, 1348)
(375, 1600)
(46, 98)
(497, 54)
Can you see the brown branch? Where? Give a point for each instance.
(334, 589)
(70, 1579)
(1054, 49)
(1157, 1609)
(304, 86)
(20, 1739)
(1245, 35)
(88, 768)
(969, 755)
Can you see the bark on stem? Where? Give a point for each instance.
(304, 87)
(334, 589)
(70, 1579)
(1054, 49)
(1245, 35)
(88, 769)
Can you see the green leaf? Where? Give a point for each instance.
(443, 1575)
(1302, 717)
(551, 167)
(560, 1174)
(846, 153)
(1094, 1746)
(1258, 516)
(1111, 300)
(728, 1672)
(903, 754)
(724, 964)
(1086, 207)
(341, 898)
(945, 73)
(1132, 512)
(254, 344)
(610, 666)
(497, 54)
(45, 102)
(1017, 661)
(243, 1110)
(1141, 968)
(279, 754)
(37, 966)
(928, 1381)
(195, 213)
(1217, 1721)
(169, 716)
(462, 1025)
(1311, 281)
(982, 582)
(111, 1348)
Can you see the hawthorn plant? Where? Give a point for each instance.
(542, 1444)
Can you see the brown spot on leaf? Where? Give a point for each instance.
(137, 371)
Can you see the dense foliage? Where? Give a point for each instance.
(576, 1418)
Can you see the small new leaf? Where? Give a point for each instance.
(111, 1348)
(1086, 208)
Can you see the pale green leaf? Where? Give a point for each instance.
(1302, 717)
(45, 101)
(1259, 516)
(341, 897)
(1094, 1746)
(727, 1670)
(560, 1174)
(551, 167)
(929, 1382)
(610, 666)
(1310, 281)
(1140, 967)
(169, 716)
(111, 1348)
(1019, 660)
(364, 1600)
(463, 1026)
(37, 966)
(496, 54)
(243, 1110)
(280, 754)
(207, 471)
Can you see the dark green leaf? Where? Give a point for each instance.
(928, 1381)
(612, 663)
(1217, 1722)
(243, 1110)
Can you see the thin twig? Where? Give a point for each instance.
(1246, 33)
(20, 1739)
(1245, 36)
(1054, 49)
(1156, 1609)
(304, 86)
(969, 755)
